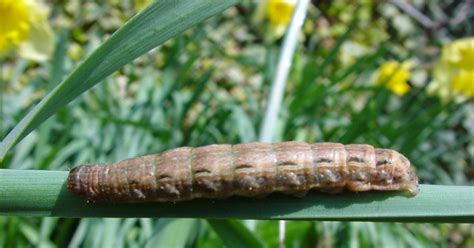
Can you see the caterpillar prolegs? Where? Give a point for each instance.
(254, 169)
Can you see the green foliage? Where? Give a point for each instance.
(208, 85)
(150, 28)
(234, 234)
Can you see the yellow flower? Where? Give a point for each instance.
(464, 83)
(24, 27)
(453, 76)
(460, 54)
(14, 25)
(280, 11)
(394, 76)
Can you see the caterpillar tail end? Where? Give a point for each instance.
(73, 183)
(77, 183)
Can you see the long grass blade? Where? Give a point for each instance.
(174, 234)
(283, 68)
(235, 234)
(159, 22)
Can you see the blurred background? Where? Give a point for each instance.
(397, 74)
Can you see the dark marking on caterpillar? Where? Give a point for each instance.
(356, 159)
(249, 170)
(324, 160)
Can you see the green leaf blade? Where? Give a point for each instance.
(235, 234)
(44, 193)
(161, 21)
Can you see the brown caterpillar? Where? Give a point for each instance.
(254, 169)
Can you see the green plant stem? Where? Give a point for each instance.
(275, 98)
(44, 193)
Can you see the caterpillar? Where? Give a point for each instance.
(249, 170)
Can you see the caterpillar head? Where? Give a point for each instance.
(405, 175)
(394, 171)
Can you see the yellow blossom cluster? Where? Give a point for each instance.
(394, 76)
(280, 11)
(453, 76)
